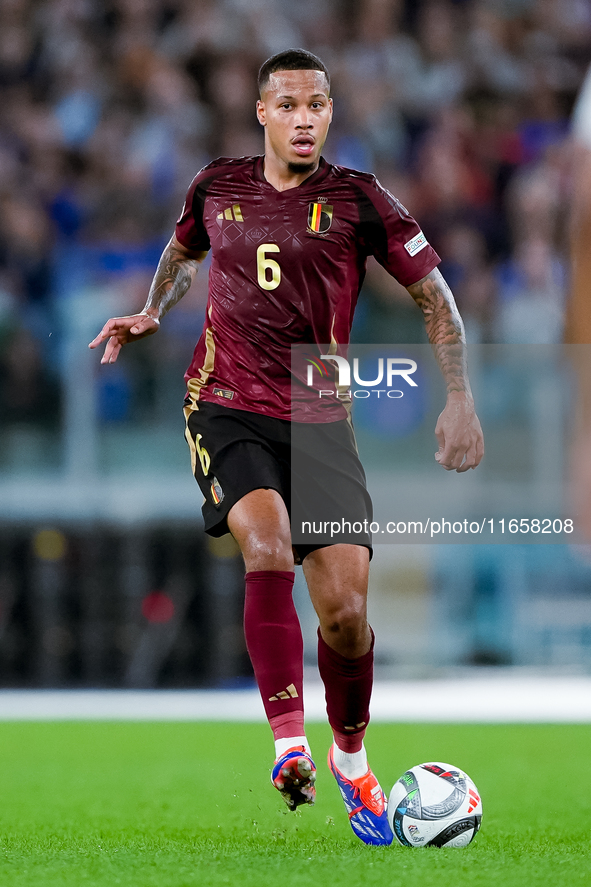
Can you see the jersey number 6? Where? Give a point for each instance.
(264, 265)
(204, 458)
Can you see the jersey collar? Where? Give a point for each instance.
(320, 174)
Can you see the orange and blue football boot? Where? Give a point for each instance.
(365, 804)
(294, 775)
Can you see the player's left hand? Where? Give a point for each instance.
(459, 435)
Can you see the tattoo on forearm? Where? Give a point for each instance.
(174, 275)
(444, 328)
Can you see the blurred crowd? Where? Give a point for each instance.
(108, 109)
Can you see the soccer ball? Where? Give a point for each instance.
(434, 805)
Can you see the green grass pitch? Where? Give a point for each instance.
(187, 804)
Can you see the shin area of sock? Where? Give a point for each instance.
(274, 642)
(348, 685)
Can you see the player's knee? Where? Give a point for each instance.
(268, 553)
(347, 620)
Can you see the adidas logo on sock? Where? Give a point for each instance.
(232, 213)
(289, 693)
(357, 726)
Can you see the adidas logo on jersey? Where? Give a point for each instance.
(289, 693)
(232, 213)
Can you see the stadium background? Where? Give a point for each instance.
(106, 112)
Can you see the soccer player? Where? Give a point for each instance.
(289, 235)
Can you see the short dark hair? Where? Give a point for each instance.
(290, 60)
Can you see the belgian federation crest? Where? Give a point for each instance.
(319, 218)
(217, 494)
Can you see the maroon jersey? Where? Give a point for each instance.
(286, 269)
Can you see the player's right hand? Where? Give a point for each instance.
(119, 331)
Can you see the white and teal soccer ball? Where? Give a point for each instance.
(434, 805)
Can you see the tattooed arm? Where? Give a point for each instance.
(458, 430)
(174, 275)
(175, 272)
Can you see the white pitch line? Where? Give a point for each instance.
(488, 699)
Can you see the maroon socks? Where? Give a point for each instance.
(276, 650)
(348, 684)
(274, 643)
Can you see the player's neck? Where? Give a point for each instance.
(281, 176)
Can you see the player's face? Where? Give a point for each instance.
(296, 111)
